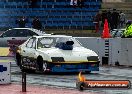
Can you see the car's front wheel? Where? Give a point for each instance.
(18, 59)
(42, 65)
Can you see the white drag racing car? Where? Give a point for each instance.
(56, 53)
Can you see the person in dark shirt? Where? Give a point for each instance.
(97, 22)
(104, 16)
(36, 24)
(109, 18)
(33, 3)
(21, 22)
(115, 19)
(80, 3)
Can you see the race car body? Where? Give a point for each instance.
(56, 53)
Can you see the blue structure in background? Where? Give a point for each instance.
(54, 14)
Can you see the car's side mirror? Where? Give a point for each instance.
(69, 42)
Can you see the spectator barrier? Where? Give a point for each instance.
(5, 73)
(112, 51)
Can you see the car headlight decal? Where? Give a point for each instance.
(57, 59)
(93, 58)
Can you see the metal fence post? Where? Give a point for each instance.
(23, 81)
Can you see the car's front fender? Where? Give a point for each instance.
(43, 55)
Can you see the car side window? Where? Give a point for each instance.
(32, 33)
(10, 33)
(29, 44)
(23, 33)
(34, 44)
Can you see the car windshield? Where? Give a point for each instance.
(48, 42)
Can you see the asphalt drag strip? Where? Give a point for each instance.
(68, 80)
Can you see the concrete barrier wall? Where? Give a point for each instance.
(126, 52)
(117, 50)
(95, 44)
(5, 75)
(121, 51)
(114, 50)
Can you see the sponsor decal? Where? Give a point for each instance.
(2, 80)
(83, 83)
(2, 68)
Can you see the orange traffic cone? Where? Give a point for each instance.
(106, 33)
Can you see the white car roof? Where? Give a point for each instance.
(26, 28)
(50, 35)
(39, 32)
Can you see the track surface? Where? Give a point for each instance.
(68, 80)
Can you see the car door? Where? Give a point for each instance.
(29, 50)
(8, 35)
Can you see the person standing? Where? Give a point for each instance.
(104, 16)
(109, 18)
(97, 21)
(128, 31)
(73, 3)
(33, 3)
(115, 19)
(122, 19)
(80, 3)
(36, 24)
(22, 22)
